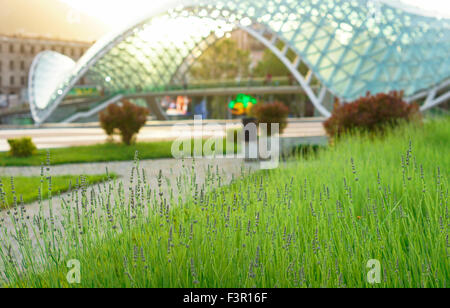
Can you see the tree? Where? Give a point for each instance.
(270, 64)
(223, 60)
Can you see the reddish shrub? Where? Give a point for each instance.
(272, 113)
(128, 119)
(372, 113)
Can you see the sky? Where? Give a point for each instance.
(88, 20)
(48, 18)
(111, 12)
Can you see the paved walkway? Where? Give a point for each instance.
(64, 136)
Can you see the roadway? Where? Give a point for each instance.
(57, 135)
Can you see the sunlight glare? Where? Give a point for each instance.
(117, 13)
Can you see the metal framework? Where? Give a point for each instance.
(350, 47)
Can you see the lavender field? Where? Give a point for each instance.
(316, 221)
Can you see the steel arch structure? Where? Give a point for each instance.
(350, 47)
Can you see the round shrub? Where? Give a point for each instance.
(372, 113)
(127, 118)
(22, 147)
(272, 113)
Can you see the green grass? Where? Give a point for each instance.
(94, 153)
(310, 223)
(26, 189)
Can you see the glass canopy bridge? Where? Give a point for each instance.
(85, 102)
(350, 47)
(197, 89)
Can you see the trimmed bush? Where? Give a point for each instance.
(272, 113)
(22, 147)
(372, 113)
(127, 119)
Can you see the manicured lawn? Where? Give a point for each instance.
(27, 188)
(95, 153)
(310, 223)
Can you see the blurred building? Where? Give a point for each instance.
(16, 56)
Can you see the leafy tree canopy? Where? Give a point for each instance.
(270, 64)
(223, 60)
